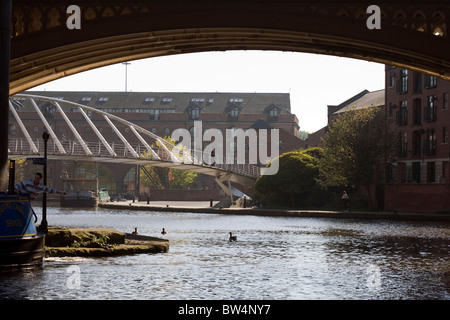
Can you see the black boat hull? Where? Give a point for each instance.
(22, 253)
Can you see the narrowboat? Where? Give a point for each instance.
(21, 246)
(79, 199)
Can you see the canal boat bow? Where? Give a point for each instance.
(21, 245)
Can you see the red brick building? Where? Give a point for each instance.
(418, 173)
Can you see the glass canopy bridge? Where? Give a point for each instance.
(66, 123)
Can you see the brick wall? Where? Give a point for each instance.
(181, 195)
(424, 198)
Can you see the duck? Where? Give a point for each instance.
(163, 231)
(232, 238)
(135, 232)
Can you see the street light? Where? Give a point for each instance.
(126, 76)
(44, 226)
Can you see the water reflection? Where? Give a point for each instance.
(274, 258)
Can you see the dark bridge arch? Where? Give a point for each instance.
(412, 35)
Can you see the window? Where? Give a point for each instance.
(417, 111)
(417, 82)
(103, 99)
(391, 79)
(416, 143)
(155, 113)
(154, 130)
(86, 99)
(167, 131)
(391, 109)
(195, 113)
(234, 113)
(430, 142)
(430, 109)
(445, 99)
(200, 100)
(444, 135)
(273, 112)
(36, 129)
(402, 114)
(402, 144)
(402, 83)
(430, 81)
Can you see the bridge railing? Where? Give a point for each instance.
(150, 147)
(20, 146)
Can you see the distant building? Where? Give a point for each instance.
(164, 112)
(364, 99)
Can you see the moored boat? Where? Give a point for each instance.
(21, 246)
(79, 199)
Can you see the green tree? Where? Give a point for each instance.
(294, 181)
(356, 149)
(177, 178)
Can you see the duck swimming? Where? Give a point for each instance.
(232, 238)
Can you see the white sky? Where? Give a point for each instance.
(314, 81)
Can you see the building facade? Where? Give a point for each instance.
(418, 172)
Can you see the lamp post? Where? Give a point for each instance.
(44, 226)
(126, 73)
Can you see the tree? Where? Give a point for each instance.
(295, 179)
(176, 178)
(355, 149)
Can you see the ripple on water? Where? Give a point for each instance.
(274, 258)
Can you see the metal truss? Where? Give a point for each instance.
(151, 149)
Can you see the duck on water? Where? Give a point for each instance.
(232, 238)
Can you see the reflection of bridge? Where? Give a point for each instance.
(151, 149)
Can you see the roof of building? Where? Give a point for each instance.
(178, 102)
(364, 99)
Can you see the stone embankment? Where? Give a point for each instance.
(99, 242)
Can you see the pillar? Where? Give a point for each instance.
(5, 55)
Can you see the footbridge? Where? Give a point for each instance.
(116, 141)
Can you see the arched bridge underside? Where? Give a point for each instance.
(413, 33)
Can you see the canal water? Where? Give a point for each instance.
(273, 258)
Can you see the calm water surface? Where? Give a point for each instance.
(274, 258)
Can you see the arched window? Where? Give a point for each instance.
(167, 131)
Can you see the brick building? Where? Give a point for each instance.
(162, 113)
(364, 99)
(418, 173)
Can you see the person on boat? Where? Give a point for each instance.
(33, 187)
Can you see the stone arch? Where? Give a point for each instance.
(400, 19)
(438, 26)
(419, 22)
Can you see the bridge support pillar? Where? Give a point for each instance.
(5, 54)
(226, 188)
